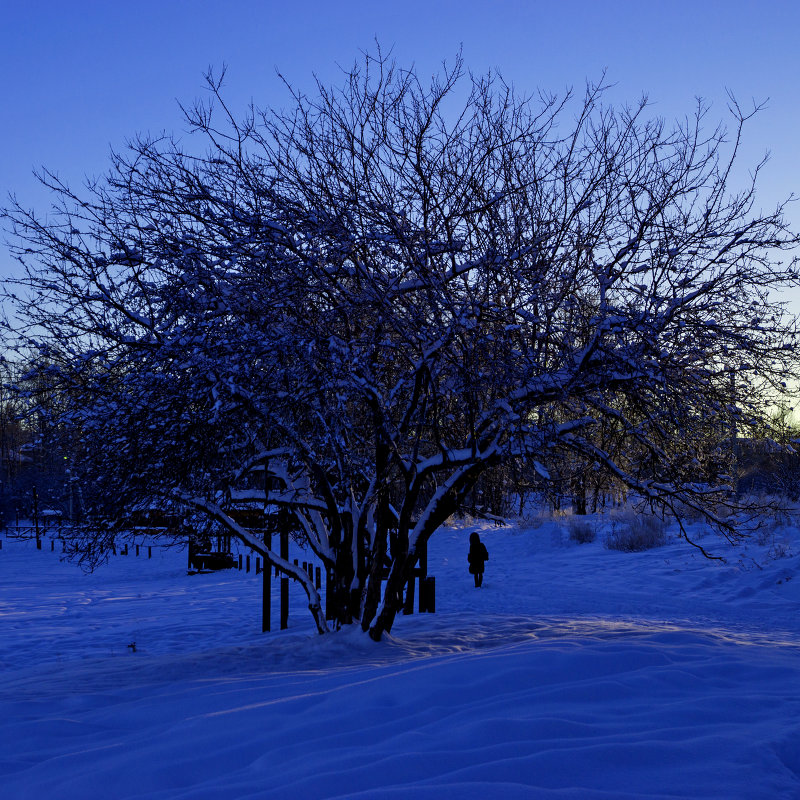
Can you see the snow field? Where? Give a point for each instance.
(575, 672)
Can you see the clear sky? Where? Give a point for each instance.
(81, 77)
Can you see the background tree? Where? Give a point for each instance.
(13, 439)
(33, 471)
(352, 310)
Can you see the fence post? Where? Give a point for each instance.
(248, 564)
(266, 589)
(284, 581)
(427, 595)
(318, 582)
(422, 549)
(36, 517)
(149, 551)
(328, 594)
(258, 565)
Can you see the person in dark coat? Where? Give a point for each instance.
(478, 555)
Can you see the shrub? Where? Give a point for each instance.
(632, 533)
(581, 530)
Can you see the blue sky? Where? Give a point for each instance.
(83, 76)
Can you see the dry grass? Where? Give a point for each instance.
(581, 530)
(632, 532)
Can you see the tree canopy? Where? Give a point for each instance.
(347, 313)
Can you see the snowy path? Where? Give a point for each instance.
(576, 672)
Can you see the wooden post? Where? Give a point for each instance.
(430, 594)
(258, 565)
(240, 562)
(137, 549)
(318, 582)
(149, 551)
(328, 594)
(266, 589)
(248, 563)
(52, 545)
(284, 581)
(36, 517)
(423, 573)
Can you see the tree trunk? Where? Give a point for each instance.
(372, 586)
(392, 596)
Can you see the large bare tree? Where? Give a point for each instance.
(350, 311)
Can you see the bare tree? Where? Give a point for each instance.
(352, 310)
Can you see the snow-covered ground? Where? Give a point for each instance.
(575, 672)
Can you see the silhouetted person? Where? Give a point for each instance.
(478, 554)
